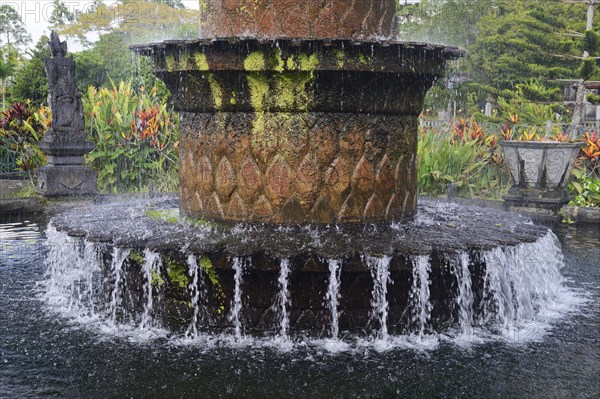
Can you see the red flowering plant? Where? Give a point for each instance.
(21, 127)
(136, 138)
(590, 153)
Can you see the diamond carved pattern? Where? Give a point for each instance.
(363, 180)
(205, 176)
(278, 181)
(345, 174)
(308, 179)
(225, 178)
(250, 181)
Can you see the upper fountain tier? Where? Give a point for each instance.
(314, 19)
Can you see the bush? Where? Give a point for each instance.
(136, 137)
(585, 190)
(465, 157)
(21, 127)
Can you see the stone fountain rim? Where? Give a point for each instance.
(125, 224)
(539, 144)
(447, 52)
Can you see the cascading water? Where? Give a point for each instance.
(381, 277)
(420, 293)
(196, 288)
(464, 297)
(236, 307)
(522, 283)
(332, 297)
(284, 298)
(496, 291)
(118, 258)
(152, 262)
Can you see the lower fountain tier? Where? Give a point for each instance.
(453, 264)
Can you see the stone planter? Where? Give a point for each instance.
(540, 172)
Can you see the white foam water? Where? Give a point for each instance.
(420, 293)
(118, 279)
(152, 264)
(197, 289)
(522, 283)
(464, 297)
(284, 299)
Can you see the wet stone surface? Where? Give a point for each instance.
(438, 226)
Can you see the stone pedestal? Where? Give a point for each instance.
(66, 174)
(298, 111)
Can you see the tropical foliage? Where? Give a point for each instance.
(136, 136)
(21, 127)
(463, 157)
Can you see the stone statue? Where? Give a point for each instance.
(64, 98)
(65, 144)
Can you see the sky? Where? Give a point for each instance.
(35, 14)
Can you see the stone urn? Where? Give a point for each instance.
(540, 171)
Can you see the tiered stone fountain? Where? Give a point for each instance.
(299, 121)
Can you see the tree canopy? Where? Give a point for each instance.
(12, 28)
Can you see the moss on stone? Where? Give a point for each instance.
(364, 59)
(170, 63)
(200, 61)
(293, 89)
(278, 63)
(291, 64)
(157, 279)
(209, 270)
(216, 91)
(164, 215)
(259, 90)
(176, 272)
(340, 56)
(308, 63)
(255, 62)
(136, 257)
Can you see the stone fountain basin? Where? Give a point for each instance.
(439, 226)
(347, 75)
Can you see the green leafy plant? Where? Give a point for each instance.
(21, 127)
(585, 190)
(136, 137)
(464, 157)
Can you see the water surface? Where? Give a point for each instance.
(42, 355)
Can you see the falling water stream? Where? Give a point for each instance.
(332, 298)
(284, 298)
(236, 308)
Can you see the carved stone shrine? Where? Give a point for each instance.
(66, 143)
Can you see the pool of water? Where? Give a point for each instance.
(44, 355)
